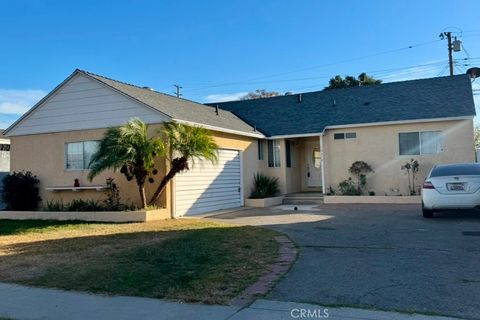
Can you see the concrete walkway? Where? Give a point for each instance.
(20, 302)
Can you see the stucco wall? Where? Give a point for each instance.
(44, 155)
(288, 178)
(379, 147)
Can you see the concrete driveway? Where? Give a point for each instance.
(381, 256)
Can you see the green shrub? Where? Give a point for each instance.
(84, 205)
(87, 205)
(54, 205)
(264, 186)
(20, 191)
(331, 191)
(360, 169)
(348, 188)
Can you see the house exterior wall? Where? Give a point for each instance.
(44, 155)
(4, 157)
(83, 103)
(288, 178)
(379, 147)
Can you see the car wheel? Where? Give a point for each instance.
(427, 213)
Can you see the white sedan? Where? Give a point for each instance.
(451, 186)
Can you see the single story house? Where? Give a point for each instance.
(307, 140)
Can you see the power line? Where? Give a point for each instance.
(314, 67)
(378, 72)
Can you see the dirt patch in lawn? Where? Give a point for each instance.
(189, 260)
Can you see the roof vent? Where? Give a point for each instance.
(148, 88)
(216, 109)
(334, 104)
(299, 97)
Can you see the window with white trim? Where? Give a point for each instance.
(78, 154)
(344, 135)
(288, 153)
(260, 149)
(273, 153)
(420, 143)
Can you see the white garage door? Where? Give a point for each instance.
(207, 187)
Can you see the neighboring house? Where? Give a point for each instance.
(307, 140)
(4, 161)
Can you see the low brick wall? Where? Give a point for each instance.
(98, 216)
(373, 199)
(265, 202)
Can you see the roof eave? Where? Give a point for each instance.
(370, 124)
(256, 134)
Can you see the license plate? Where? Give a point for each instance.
(455, 186)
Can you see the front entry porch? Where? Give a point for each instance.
(306, 172)
(307, 197)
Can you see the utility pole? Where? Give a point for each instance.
(177, 90)
(455, 46)
(450, 58)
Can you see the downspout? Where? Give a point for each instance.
(322, 162)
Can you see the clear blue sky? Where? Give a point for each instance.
(222, 49)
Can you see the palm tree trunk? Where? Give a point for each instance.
(163, 184)
(143, 198)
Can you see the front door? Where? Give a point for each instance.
(314, 164)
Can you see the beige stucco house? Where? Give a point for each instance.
(307, 140)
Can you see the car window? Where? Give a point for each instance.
(458, 170)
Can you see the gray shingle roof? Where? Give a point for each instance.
(177, 108)
(441, 97)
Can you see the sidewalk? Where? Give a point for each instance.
(20, 302)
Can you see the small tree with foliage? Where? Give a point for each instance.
(20, 191)
(412, 168)
(360, 169)
(130, 149)
(185, 144)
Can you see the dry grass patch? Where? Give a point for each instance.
(189, 260)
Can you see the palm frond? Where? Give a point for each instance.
(191, 142)
(126, 145)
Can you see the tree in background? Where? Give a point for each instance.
(350, 81)
(260, 93)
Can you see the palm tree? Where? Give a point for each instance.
(184, 144)
(129, 149)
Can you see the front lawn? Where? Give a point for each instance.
(189, 260)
